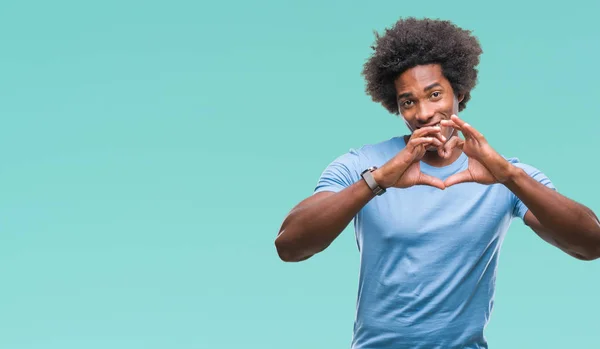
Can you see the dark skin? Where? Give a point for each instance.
(429, 107)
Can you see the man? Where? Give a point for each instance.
(430, 209)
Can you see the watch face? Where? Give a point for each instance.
(372, 168)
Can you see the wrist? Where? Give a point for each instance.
(387, 175)
(499, 167)
(379, 177)
(368, 177)
(511, 174)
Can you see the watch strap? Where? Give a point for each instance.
(367, 175)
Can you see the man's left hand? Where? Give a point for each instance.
(486, 166)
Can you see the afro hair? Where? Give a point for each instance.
(412, 42)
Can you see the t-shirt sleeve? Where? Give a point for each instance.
(519, 209)
(340, 173)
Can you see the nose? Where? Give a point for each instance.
(425, 113)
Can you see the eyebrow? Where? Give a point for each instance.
(427, 88)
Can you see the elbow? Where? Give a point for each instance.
(590, 252)
(585, 257)
(594, 250)
(287, 253)
(593, 254)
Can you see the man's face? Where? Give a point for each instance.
(425, 97)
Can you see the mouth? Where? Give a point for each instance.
(439, 124)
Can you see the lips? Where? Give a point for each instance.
(438, 125)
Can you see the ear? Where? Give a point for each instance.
(461, 97)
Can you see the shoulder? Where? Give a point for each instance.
(532, 171)
(517, 163)
(375, 154)
(346, 168)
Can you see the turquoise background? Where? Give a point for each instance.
(150, 151)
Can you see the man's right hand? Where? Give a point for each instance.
(404, 169)
(316, 221)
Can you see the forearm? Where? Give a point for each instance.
(310, 228)
(570, 223)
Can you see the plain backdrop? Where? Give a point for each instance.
(151, 149)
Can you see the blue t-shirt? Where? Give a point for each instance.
(428, 257)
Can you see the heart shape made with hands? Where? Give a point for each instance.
(483, 160)
(485, 165)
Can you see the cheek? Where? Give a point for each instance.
(455, 108)
(407, 123)
(446, 108)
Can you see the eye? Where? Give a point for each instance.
(406, 104)
(436, 94)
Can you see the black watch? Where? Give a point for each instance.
(368, 177)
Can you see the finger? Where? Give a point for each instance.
(461, 124)
(473, 131)
(467, 129)
(425, 179)
(461, 177)
(447, 149)
(433, 131)
(454, 118)
(413, 143)
(450, 123)
(440, 136)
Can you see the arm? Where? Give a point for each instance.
(562, 222)
(558, 220)
(315, 222)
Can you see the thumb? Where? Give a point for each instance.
(425, 179)
(461, 177)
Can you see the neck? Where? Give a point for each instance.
(432, 158)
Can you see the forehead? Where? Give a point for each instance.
(417, 78)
